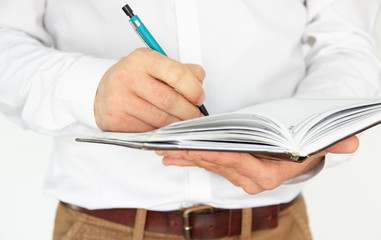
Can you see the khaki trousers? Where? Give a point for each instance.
(69, 224)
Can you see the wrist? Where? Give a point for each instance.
(309, 173)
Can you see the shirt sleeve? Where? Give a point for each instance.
(342, 60)
(42, 88)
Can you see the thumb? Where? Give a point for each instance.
(348, 145)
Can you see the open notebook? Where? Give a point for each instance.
(289, 129)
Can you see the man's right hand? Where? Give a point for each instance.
(138, 94)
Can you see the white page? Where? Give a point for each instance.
(298, 115)
(341, 132)
(338, 119)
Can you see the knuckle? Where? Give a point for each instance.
(236, 164)
(120, 76)
(205, 166)
(123, 78)
(200, 71)
(220, 169)
(269, 183)
(168, 100)
(176, 73)
(139, 52)
(114, 121)
(251, 188)
(160, 119)
(143, 54)
(234, 179)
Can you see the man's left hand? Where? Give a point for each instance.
(254, 175)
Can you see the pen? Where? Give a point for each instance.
(149, 40)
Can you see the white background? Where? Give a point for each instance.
(344, 202)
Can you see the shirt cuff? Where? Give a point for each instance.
(308, 175)
(79, 87)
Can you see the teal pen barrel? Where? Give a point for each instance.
(146, 35)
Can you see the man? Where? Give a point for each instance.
(60, 75)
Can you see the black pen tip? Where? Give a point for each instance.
(128, 11)
(203, 110)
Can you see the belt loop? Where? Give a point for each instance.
(230, 222)
(246, 223)
(140, 222)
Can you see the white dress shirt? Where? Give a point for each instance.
(53, 54)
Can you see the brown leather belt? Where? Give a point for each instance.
(200, 222)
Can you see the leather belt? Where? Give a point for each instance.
(200, 222)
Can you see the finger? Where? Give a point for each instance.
(175, 74)
(224, 163)
(232, 175)
(239, 162)
(173, 161)
(126, 123)
(112, 116)
(180, 157)
(161, 152)
(349, 145)
(266, 175)
(244, 163)
(166, 98)
(253, 181)
(197, 71)
(149, 113)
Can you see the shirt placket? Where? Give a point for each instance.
(189, 43)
